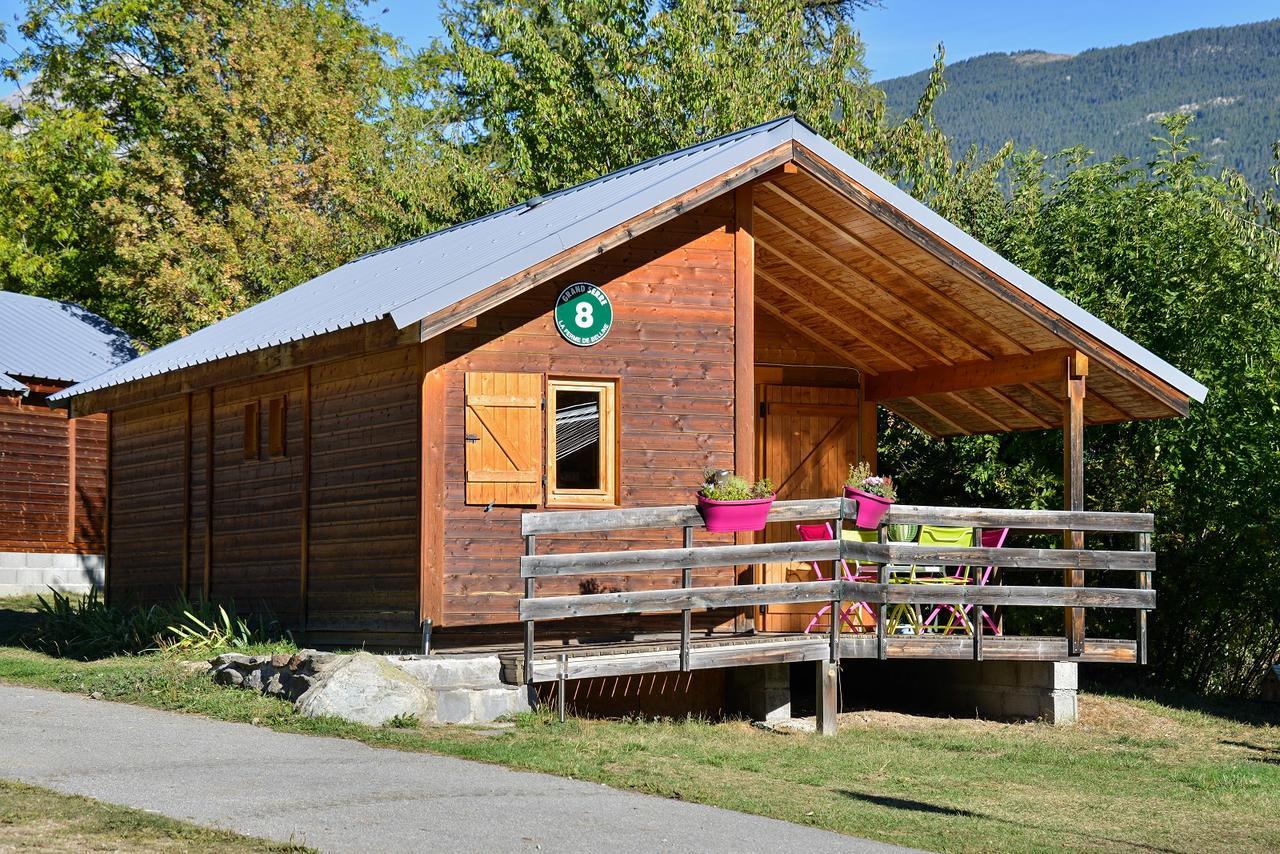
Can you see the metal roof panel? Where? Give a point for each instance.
(59, 341)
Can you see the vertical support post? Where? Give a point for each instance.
(837, 575)
(828, 696)
(744, 362)
(71, 477)
(1076, 372)
(976, 618)
(431, 440)
(562, 668)
(530, 547)
(868, 441)
(1144, 583)
(686, 615)
(882, 642)
(304, 523)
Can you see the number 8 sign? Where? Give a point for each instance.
(584, 314)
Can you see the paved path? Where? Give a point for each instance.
(339, 795)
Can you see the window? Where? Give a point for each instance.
(275, 426)
(252, 428)
(582, 443)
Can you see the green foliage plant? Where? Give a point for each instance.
(731, 487)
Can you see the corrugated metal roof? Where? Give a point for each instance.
(8, 383)
(60, 341)
(418, 278)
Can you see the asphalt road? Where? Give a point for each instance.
(339, 795)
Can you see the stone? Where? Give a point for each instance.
(438, 671)
(367, 689)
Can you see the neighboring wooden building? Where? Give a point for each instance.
(52, 469)
(355, 454)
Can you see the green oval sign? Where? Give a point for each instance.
(584, 314)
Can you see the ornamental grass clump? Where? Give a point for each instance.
(861, 479)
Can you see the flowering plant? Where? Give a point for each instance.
(860, 477)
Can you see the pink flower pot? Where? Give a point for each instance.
(871, 508)
(724, 516)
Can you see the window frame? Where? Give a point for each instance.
(607, 495)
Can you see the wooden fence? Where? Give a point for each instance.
(884, 554)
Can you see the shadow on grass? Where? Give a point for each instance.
(940, 810)
(1236, 710)
(17, 618)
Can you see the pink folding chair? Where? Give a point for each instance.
(991, 539)
(823, 532)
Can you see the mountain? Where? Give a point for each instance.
(1110, 99)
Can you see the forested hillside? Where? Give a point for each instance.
(1111, 99)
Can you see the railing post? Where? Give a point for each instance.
(686, 615)
(834, 653)
(1144, 583)
(882, 643)
(978, 610)
(530, 547)
(562, 673)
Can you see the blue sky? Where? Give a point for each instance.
(901, 36)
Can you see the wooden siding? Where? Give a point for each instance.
(363, 574)
(40, 509)
(145, 559)
(244, 536)
(671, 349)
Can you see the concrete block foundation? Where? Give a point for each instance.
(24, 573)
(761, 692)
(1005, 690)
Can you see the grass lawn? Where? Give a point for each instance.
(1134, 774)
(35, 819)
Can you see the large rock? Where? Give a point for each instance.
(366, 689)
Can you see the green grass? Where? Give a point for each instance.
(36, 819)
(1134, 774)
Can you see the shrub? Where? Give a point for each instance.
(86, 628)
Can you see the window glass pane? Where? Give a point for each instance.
(577, 439)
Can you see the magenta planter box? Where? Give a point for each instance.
(871, 508)
(725, 516)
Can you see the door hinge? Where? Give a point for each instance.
(472, 437)
(764, 410)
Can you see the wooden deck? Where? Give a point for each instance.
(661, 653)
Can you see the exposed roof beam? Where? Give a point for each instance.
(861, 277)
(1010, 402)
(813, 336)
(938, 415)
(835, 321)
(980, 412)
(842, 298)
(853, 239)
(1009, 370)
(1145, 378)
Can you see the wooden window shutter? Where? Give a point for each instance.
(276, 426)
(252, 426)
(504, 438)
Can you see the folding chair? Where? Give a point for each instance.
(823, 531)
(991, 539)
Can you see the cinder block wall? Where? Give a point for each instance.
(33, 572)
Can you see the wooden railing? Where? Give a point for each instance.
(882, 593)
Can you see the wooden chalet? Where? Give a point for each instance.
(384, 447)
(53, 469)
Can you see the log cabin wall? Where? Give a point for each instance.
(352, 512)
(671, 349)
(50, 504)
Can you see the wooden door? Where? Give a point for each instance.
(806, 438)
